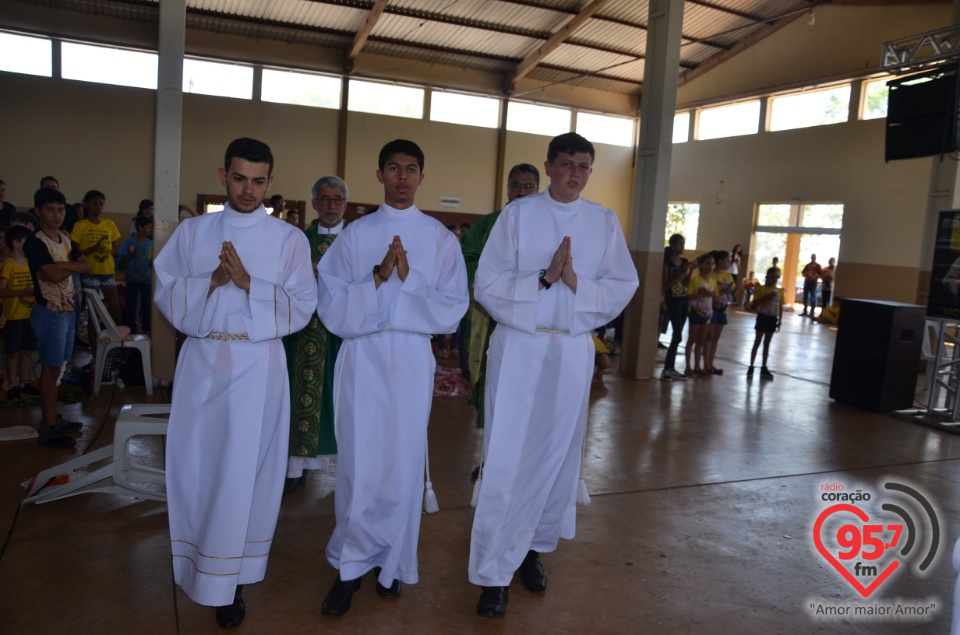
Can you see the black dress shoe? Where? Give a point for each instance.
(290, 484)
(338, 599)
(493, 601)
(532, 574)
(393, 591)
(231, 615)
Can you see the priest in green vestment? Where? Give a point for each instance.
(312, 353)
(523, 180)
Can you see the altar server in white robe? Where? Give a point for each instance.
(556, 267)
(234, 283)
(386, 284)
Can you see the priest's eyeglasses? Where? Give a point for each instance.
(517, 185)
(328, 200)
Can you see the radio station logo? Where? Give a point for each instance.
(869, 538)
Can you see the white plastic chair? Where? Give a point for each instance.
(103, 323)
(122, 475)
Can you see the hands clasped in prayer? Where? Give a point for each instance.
(561, 266)
(231, 268)
(395, 258)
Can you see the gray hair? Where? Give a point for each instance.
(330, 181)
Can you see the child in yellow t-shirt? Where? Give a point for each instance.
(99, 241)
(768, 303)
(726, 290)
(830, 314)
(16, 290)
(702, 290)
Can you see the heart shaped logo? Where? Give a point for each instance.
(829, 557)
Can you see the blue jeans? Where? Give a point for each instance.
(54, 332)
(678, 309)
(809, 295)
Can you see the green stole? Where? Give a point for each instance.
(311, 358)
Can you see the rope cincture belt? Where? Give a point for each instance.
(540, 330)
(228, 337)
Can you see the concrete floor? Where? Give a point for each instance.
(704, 494)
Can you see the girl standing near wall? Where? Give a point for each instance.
(676, 279)
(726, 288)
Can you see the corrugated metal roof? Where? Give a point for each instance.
(634, 11)
(605, 52)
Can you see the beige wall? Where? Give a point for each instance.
(880, 282)
(303, 141)
(459, 161)
(884, 203)
(89, 136)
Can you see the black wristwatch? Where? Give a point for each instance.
(543, 279)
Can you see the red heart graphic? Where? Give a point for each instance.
(862, 515)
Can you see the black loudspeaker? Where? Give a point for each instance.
(877, 356)
(922, 115)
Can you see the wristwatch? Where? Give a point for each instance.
(377, 274)
(543, 279)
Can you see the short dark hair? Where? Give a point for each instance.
(524, 167)
(144, 205)
(49, 178)
(23, 218)
(14, 233)
(45, 195)
(142, 221)
(400, 146)
(275, 198)
(570, 143)
(249, 150)
(92, 194)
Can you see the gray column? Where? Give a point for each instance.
(652, 183)
(166, 162)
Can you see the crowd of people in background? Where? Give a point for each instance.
(698, 294)
(49, 256)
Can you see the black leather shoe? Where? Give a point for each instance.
(231, 615)
(532, 574)
(493, 601)
(393, 591)
(338, 599)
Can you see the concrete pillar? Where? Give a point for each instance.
(166, 163)
(651, 189)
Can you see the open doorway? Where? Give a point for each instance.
(792, 232)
